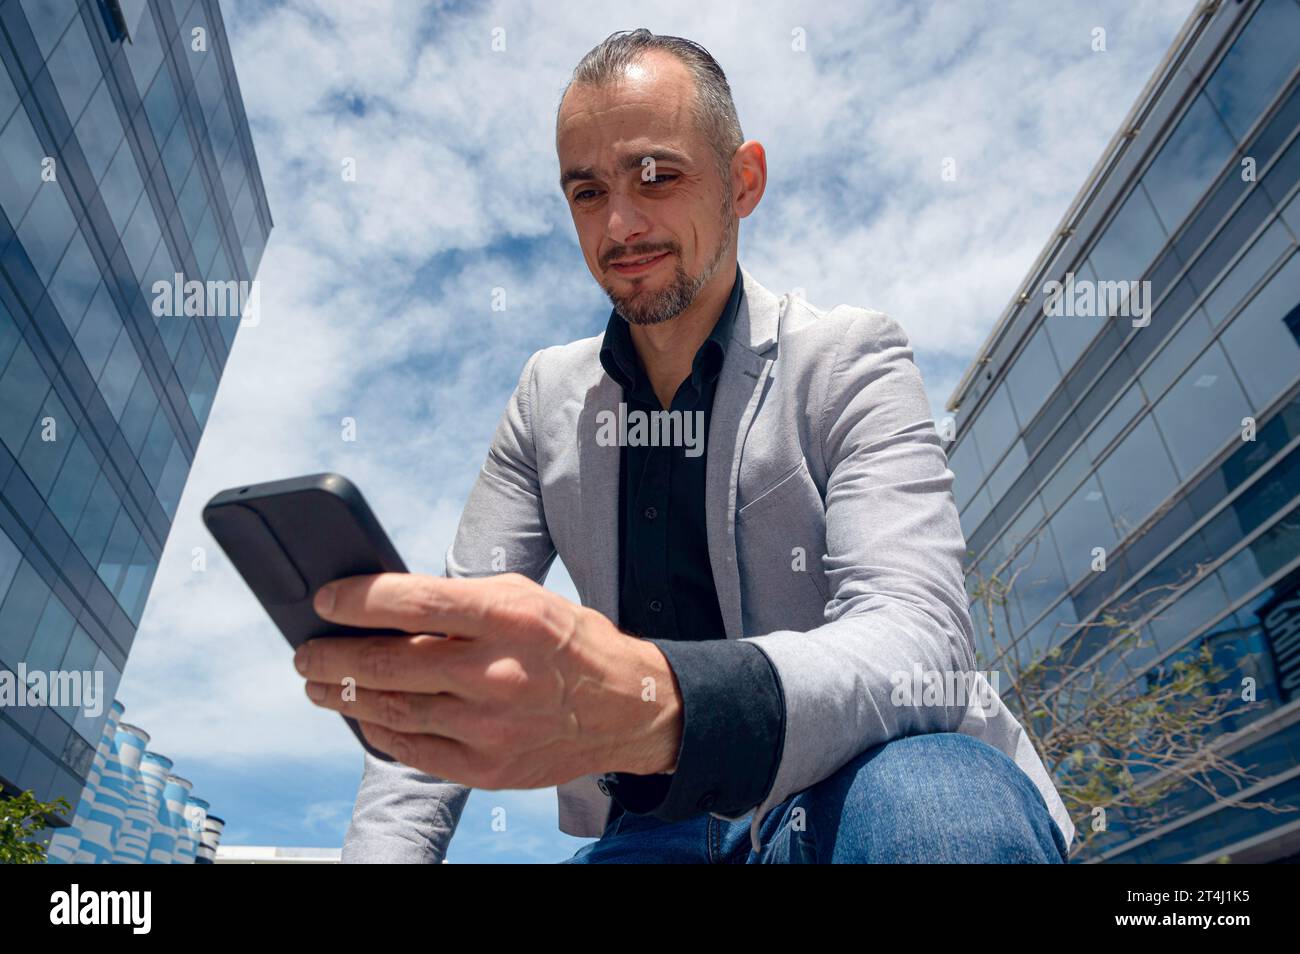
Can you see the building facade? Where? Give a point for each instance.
(126, 163)
(1134, 449)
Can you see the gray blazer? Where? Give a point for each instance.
(833, 538)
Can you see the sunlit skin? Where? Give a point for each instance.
(530, 689)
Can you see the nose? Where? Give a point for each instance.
(626, 224)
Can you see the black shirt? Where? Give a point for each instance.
(734, 717)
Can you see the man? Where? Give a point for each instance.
(752, 489)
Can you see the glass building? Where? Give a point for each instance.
(125, 160)
(1168, 436)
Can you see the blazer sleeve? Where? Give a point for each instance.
(403, 815)
(894, 548)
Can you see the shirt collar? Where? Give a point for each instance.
(618, 353)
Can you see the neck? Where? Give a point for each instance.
(667, 349)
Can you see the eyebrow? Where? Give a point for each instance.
(626, 163)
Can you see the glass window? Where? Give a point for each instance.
(975, 512)
(1039, 577)
(1254, 69)
(140, 409)
(1062, 483)
(1202, 411)
(1137, 476)
(1249, 269)
(144, 53)
(131, 592)
(99, 132)
(193, 202)
(119, 374)
(46, 229)
(1291, 215)
(122, 186)
(205, 241)
(9, 560)
(73, 485)
(98, 331)
(1130, 241)
(1012, 466)
(1187, 162)
(209, 85)
(996, 426)
(1172, 624)
(153, 457)
(74, 283)
(74, 69)
(50, 641)
(1116, 419)
(1080, 525)
(1070, 334)
(243, 208)
(48, 440)
(221, 130)
(254, 244)
(22, 389)
(178, 156)
(141, 237)
(1264, 340)
(20, 611)
(1240, 574)
(1177, 354)
(21, 155)
(1033, 376)
(161, 106)
(48, 21)
(232, 172)
(8, 98)
(117, 553)
(97, 519)
(172, 482)
(201, 392)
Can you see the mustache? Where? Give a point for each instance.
(634, 253)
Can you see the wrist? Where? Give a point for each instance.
(654, 735)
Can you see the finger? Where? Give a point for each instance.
(410, 712)
(414, 603)
(442, 758)
(427, 664)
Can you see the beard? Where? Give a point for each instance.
(650, 307)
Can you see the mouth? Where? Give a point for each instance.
(639, 266)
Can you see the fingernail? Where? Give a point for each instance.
(324, 601)
(300, 660)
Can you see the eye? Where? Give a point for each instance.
(578, 197)
(660, 179)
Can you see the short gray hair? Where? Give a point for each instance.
(714, 109)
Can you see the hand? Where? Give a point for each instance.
(526, 690)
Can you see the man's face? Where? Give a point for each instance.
(683, 213)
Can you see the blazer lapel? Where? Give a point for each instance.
(740, 390)
(598, 472)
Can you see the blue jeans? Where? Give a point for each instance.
(941, 797)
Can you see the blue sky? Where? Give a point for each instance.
(376, 293)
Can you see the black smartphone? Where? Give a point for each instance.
(288, 538)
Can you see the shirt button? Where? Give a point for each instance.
(651, 513)
(708, 800)
(656, 606)
(603, 786)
